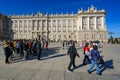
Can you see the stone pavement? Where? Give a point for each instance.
(53, 66)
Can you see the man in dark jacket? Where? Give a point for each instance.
(7, 52)
(72, 52)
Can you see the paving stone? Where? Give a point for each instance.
(54, 63)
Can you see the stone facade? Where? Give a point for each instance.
(85, 25)
(3, 27)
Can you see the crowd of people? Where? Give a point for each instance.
(25, 48)
(91, 56)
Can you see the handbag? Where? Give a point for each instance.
(100, 61)
(87, 53)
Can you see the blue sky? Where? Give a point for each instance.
(11, 7)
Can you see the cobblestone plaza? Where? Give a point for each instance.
(53, 66)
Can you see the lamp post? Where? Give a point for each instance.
(111, 39)
(110, 32)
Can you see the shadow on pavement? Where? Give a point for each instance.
(108, 65)
(80, 65)
(50, 51)
(46, 54)
(54, 56)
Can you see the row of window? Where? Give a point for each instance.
(86, 36)
(59, 24)
(45, 24)
(92, 22)
(44, 30)
(91, 19)
(94, 36)
(54, 27)
(43, 21)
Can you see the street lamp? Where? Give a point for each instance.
(110, 32)
(111, 39)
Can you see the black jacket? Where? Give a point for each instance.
(7, 50)
(72, 52)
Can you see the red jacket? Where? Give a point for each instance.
(86, 49)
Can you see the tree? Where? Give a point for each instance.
(110, 40)
(116, 40)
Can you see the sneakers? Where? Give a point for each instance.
(7, 62)
(98, 73)
(84, 64)
(69, 71)
(75, 66)
(89, 71)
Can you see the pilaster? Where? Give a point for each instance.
(95, 22)
(88, 20)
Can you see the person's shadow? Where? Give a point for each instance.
(108, 65)
(80, 65)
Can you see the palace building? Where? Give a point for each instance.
(3, 26)
(85, 25)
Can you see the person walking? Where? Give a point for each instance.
(46, 45)
(18, 47)
(39, 50)
(72, 52)
(95, 56)
(91, 46)
(7, 52)
(81, 45)
(14, 44)
(42, 44)
(86, 54)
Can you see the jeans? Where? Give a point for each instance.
(86, 57)
(38, 55)
(93, 63)
(72, 62)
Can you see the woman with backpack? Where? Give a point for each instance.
(95, 56)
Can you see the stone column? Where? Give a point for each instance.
(46, 28)
(81, 22)
(95, 22)
(23, 29)
(41, 29)
(72, 25)
(18, 30)
(56, 29)
(36, 25)
(88, 23)
(52, 28)
(32, 25)
(67, 26)
(61, 26)
(55, 26)
(102, 22)
(31, 29)
(28, 35)
(14, 30)
(61, 29)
